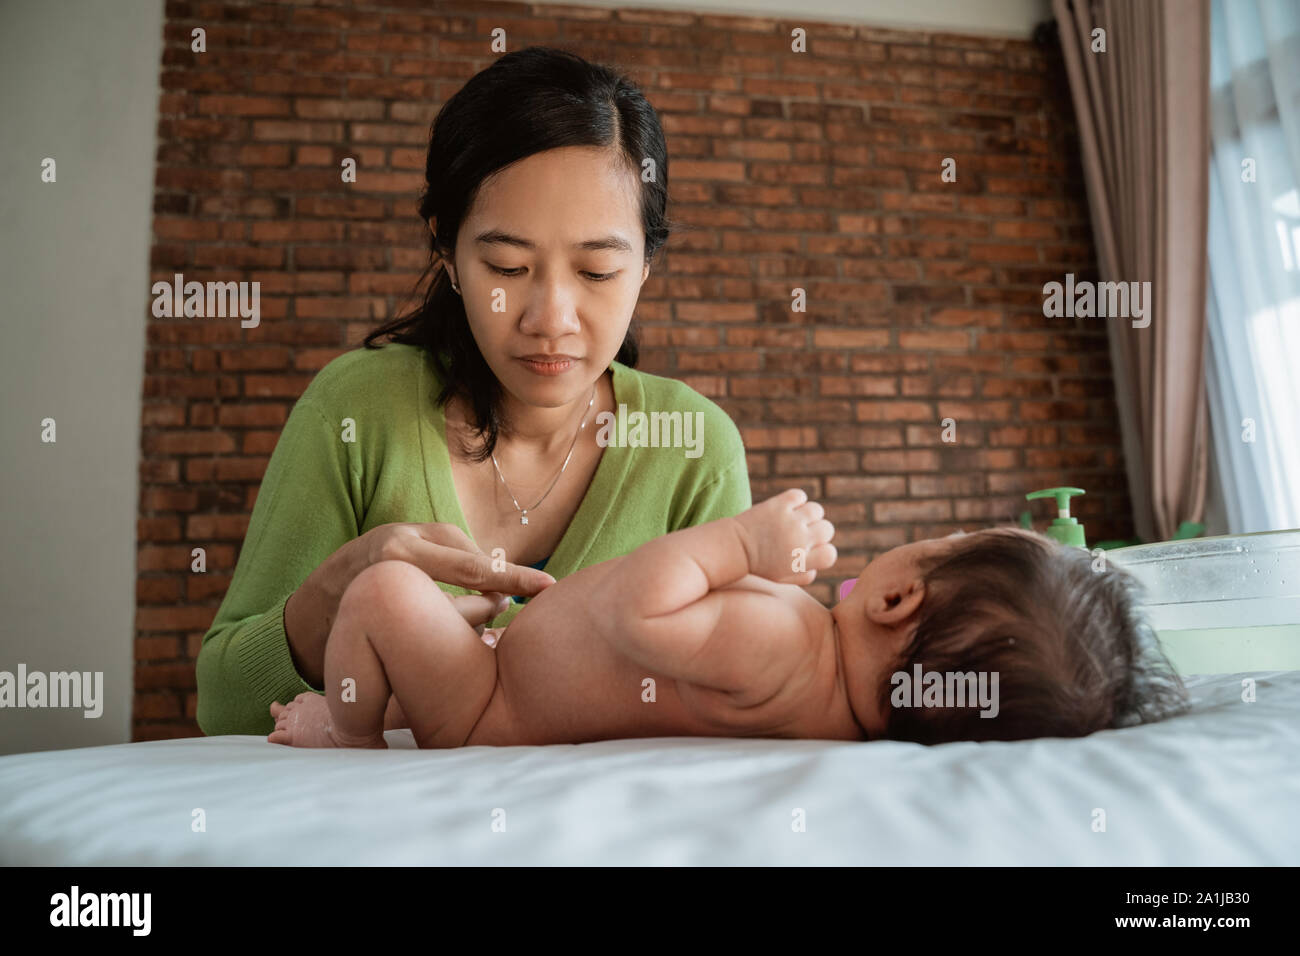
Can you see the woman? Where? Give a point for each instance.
(477, 444)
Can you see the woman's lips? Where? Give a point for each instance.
(547, 365)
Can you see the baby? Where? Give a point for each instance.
(1001, 634)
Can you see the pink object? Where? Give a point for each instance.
(846, 587)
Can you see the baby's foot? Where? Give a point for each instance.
(305, 722)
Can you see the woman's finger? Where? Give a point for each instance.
(475, 570)
(447, 535)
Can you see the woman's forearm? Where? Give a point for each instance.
(310, 611)
(308, 616)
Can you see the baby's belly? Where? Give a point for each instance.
(558, 685)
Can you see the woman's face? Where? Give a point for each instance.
(550, 261)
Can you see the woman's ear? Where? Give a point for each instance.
(891, 602)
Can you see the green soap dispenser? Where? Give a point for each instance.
(1064, 529)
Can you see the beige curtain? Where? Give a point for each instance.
(1143, 114)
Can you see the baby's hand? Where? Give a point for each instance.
(478, 609)
(787, 539)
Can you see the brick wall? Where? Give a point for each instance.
(818, 171)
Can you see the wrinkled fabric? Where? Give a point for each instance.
(1217, 786)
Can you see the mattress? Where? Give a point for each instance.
(1217, 786)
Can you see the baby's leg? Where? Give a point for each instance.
(398, 633)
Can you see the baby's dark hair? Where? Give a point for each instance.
(1071, 649)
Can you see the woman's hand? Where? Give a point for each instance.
(441, 550)
(446, 554)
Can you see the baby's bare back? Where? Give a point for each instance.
(560, 679)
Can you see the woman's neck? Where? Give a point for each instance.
(534, 429)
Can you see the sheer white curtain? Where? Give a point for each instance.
(1253, 306)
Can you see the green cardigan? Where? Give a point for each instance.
(321, 491)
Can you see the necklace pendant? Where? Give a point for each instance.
(523, 519)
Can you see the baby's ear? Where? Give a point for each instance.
(892, 603)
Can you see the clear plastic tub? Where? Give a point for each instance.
(1222, 605)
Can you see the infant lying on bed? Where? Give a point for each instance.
(706, 632)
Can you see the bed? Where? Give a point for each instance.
(1219, 785)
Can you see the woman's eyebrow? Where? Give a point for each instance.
(496, 236)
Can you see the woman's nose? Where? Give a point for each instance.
(550, 323)
(551, 312)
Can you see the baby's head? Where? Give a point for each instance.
(1005, 623)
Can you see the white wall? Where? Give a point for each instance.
(78, 83)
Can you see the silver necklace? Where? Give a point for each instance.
(523, 512)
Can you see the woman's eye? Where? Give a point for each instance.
(514, 273)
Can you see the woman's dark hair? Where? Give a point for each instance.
(529, 101)
(1071, 648)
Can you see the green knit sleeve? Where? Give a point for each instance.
(306, 509)
(728, 493)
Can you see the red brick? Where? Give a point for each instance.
(161, 705)
(187, 443)
(157, 414)
(157, 529)
(254, 358)
(893, 512)
(252, 415)
(851, 338)
(806, 462)
(216, 527)
(201, 587)
(225, 469)
(926, 341)
(894, 411)
(899, 461)
(297, 131)
(156, 648)
(864, 486)
(172, 618)
(275, 386)
(756, 438)
(154, 590)
(944, 486)
(243, 105)
(159, 676)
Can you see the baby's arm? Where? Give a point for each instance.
(662, 594)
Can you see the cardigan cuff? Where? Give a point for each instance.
(265, 660)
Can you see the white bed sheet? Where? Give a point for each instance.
(1218, 786)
